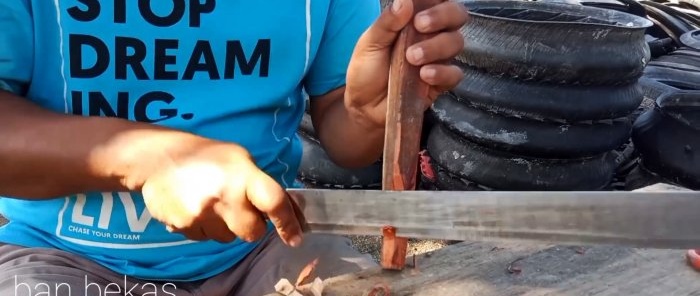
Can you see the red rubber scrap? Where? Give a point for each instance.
(380, 289)
(693, 257)
(425, 167)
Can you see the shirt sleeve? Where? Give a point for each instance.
(347, 20)
(16, 45)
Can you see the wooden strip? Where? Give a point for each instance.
(407, 97)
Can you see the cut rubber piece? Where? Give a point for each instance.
(548, 101)
(555, 42)
(506, 171)
(318, 169)
(530, 137)
(668, 147)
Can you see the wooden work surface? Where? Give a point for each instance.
(508, 269)
(483, 269)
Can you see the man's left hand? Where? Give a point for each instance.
(368, 72)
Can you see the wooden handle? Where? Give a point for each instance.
(407, 98)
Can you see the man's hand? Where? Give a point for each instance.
(217, 192)
(203, 188)
(368, 72)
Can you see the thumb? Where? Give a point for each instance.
(385, 30)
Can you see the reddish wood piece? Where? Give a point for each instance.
(393, 249)
(407, 99)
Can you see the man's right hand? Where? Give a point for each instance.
(200, 187)
(217, 192)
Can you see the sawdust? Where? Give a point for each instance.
(373, 244)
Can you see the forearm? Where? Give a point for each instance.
(348, 137)
(45, 154)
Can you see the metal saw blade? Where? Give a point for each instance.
(665, 220)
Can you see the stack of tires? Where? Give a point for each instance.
(547, 98)
(317, 170)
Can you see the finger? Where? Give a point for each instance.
(242, 219)
(384, 31)
(433, 95)
(270, 198)
(446, 16)
(194, 232)
(441, 77)
(444, 46)
(216, 228)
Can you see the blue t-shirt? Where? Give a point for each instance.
(231, 70)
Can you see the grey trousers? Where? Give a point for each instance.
(32, 271)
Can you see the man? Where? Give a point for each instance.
(146, 144)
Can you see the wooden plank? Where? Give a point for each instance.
(510, 269)
(483, 269)
(407, 97)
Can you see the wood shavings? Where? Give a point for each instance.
(285, 288)
(306, 272)
(316, 288)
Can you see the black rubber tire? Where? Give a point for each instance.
(688, 20)
(672, 25)
(683, 106)
(654, 89)
(676, 63)
(661, 46)
(449, 182)
(441, 179)
(681, 79)
(668, 147)
(568, 103)
(680, 62)
(530, 137)
(694, 4)
(318, 169)
(627, 6)
(555, 42)
(640, 177)
(692, 54)
(506, 171)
